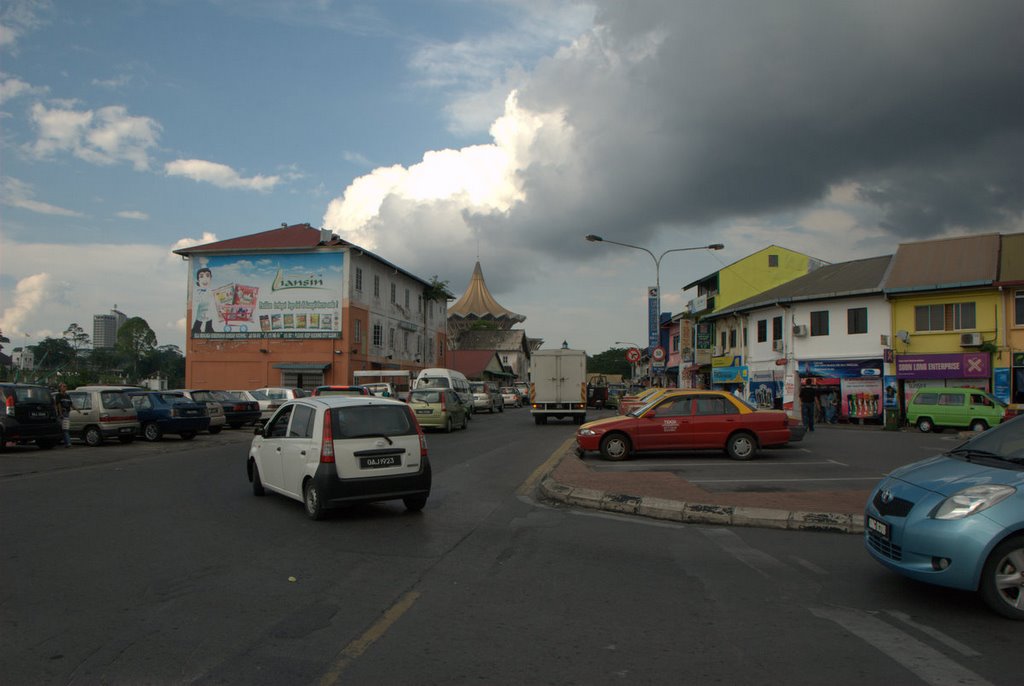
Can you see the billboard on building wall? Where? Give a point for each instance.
(266, 296)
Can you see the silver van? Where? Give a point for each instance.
(102, 412)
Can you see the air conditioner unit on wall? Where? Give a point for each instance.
(970, 339)
(778, 346)
(800, 330)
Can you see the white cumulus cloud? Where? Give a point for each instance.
(219, 175)
(105, 136)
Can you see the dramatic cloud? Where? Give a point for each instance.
(678, 116)
(29, 295)
(219, 175)
(105, 136)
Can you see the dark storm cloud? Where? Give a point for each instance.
(694, 112)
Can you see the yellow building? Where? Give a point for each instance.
(948, 316)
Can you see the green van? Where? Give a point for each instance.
(932, 409)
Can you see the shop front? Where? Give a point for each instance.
(847, 390)
(954, 370)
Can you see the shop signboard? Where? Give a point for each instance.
(974, 365)
(729, 374)
(266, 296)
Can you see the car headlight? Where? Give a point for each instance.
(587, 432)
(972, 500)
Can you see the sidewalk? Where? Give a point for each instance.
(663, 495)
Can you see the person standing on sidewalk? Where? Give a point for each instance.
(62, 401)
(807, 406)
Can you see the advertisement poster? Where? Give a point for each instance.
(861, 398)
(266, 296)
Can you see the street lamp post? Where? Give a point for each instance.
(655, 316)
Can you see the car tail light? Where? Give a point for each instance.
(10, 405)
(327, 444)
(443, 405)
(419, 432)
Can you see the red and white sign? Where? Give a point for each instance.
(658, 354)
(633, 355)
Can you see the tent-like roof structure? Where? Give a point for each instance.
(478, 303)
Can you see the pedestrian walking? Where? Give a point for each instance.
(807, 406)
(62, 403)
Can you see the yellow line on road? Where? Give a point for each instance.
(357, 647)
(527, 486)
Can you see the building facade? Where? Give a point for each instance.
(105, 328)
(300, 307)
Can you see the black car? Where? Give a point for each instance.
(29, 416)
(237, 412)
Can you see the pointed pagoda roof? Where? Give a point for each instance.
(478, 303)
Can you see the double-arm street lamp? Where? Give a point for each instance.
(654, 300)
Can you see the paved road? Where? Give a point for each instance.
(155, 564)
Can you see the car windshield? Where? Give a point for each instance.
(171, 398)
(32, 394)
(433, 382)
(235, 395)
(477, 386)
(371, 420)
(260, 395)
(1004, 442)
(355, 390)
(425, 396)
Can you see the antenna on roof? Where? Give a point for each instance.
(284, 225)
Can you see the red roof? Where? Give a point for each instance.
(472, 363)
(295, 237)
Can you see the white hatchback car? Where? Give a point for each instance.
(330, 451)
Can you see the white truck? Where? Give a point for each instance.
(558, 385)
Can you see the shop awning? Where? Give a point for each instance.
(303, 366)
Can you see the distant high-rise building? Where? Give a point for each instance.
(105, 326)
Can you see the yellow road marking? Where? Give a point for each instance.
(359, 646)
(527, 486)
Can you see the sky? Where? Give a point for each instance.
(436, 133)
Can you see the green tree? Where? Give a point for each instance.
(76, 336)
(53, 353)
(135, 340)
(611, 361)
(166, 362)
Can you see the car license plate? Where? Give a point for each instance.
(879, 527)
(38, 415)
(424, 411)
(125, 430)
(380, 461)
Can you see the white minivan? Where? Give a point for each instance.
(435, 377)
(333, 450)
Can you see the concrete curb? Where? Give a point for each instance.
(699, 513)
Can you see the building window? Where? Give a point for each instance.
(732, 338)
(394, 291)
(419, 305)
(776, 328)
(762, 330)
(391, 338)
(948, 317)
(357, 330)
(746, 342)
(376, 286)
(1018, 308)
(407, 298)
(857, 320)
(378, 335)
(359, 278)
(773, 260)
(405, 342)
(675, 343)
(725, 339)
(819, 323)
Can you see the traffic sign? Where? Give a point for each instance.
(658, 354)
(633, 355)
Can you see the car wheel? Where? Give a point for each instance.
(93, 437)
(215, 429)
(615, 447)
(257, 482)
(187, 435)
(924, 425)
(978, 425)
(1002, 579)
(415, 503)
(741, 446)
(126, 439)
(449, 425)
(311, 499)
(152, 432)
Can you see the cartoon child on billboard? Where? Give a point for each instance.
(204, 306)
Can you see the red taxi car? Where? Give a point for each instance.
(689, 420)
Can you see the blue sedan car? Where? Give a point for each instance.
(165, 412)
(957, 519)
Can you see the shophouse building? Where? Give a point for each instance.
(828, 330)
(744, 278)
(949, 317)
(300, 307)
(1008, 375)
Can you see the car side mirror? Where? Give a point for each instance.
(259, 431)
